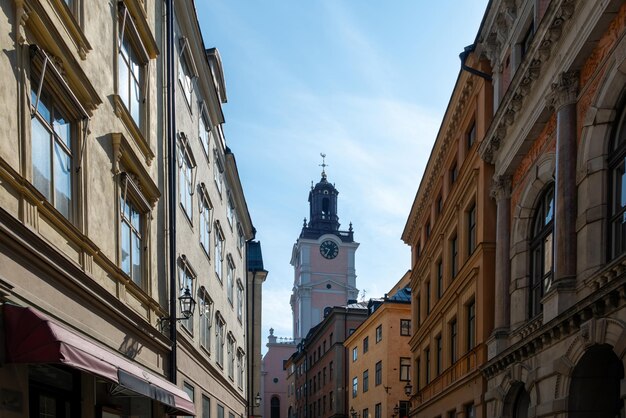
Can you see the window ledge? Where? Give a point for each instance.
(122, 113)
(73, 27)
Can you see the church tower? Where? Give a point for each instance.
(323, 260)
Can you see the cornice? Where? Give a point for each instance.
(537, 337)
(542, 47)
(436, 164)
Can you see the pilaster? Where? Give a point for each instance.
(562, 99)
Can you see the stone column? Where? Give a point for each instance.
(563, 100)
(501, 192)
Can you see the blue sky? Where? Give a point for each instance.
(365, 82)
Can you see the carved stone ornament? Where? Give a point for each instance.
(21, 16)
(564, 90)
(500, 187)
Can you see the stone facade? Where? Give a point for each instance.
(84, 216)
(557, 124)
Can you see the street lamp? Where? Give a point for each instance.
(257, 399)
(187, 306)
(353, 413)
(396, 410)
(408, 388)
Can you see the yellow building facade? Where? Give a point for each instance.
(379, 358)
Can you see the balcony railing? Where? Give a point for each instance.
(465, 365)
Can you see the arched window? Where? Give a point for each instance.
(522, 404)
(275, 407)
(617, 165)
(541, 250)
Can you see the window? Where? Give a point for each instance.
(439, 203)
(452, 413)
(453, 341)
(186, 69)
(366, 413)
(186, 276)
(54, 141)
(220, 325)
(206, 318)
(204, 129)
(471, 229)
(427, 297)
(541, 251)
(469, 411)
(470, 136)
(218, 170)
(354, 354)
(427, 364)
(206, 217)
(439, 355)
(206, 407)
(617, 164)
(355, 386)
(131, 69)
(405, 327)
(219, 253)
(527, 39)
(239, 301)
(405, 369)
(439, 274)
(427, 229)
(231, 356)
(220, 411)
(366, 344)
(186, 170)
(418, 309)
(453, 172)
(332, 370)
(379, 333)
(131, 239)
(230, 210)
(454, 256)
(331, 400)
(379, 373)
(471, 325)
(230, 272)
(241, 240)
(418, 372)
(378, 410)
(366, 381)
(189, 390)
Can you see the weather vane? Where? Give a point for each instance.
(323, 165)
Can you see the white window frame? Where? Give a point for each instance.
(239, 300)
(206, 306)
(230, 279)
(206, 219)
(219, 251)
(187, 169)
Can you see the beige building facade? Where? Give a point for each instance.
(84, 205)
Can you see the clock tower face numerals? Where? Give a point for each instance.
(329, 249)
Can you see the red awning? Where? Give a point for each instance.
(32, 337)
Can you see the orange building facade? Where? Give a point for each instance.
(379, 358)
(451, 232)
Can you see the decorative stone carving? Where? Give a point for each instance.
(500, 187)
(564, 90)
(21, 16)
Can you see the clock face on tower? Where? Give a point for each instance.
(329, 249)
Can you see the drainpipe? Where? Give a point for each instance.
(171, 177)
(463, 55)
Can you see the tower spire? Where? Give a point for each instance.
(323, 165)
